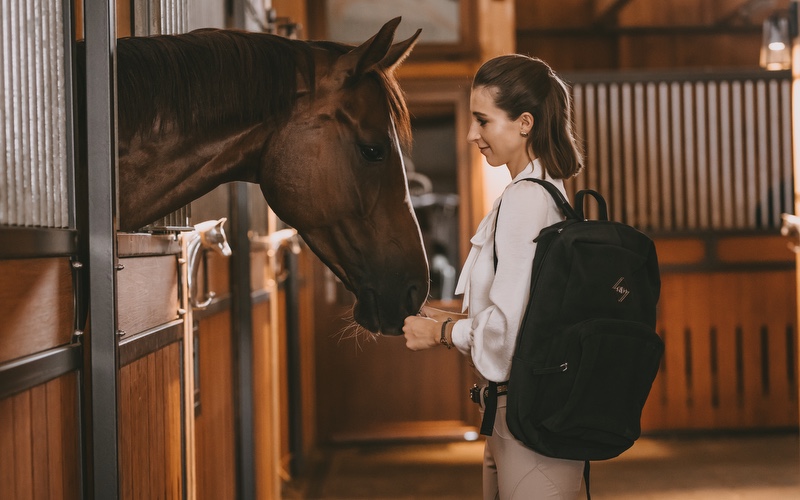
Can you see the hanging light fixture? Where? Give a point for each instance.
(776, 50)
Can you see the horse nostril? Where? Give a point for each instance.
(413, 302)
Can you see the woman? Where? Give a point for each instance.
(521, 119)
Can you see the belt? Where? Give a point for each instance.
(475, 391)
(489, 394)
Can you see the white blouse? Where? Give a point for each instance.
(496, 301)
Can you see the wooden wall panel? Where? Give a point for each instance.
(731, 348)
(151, 426)
(147, 292)
(375, 388)
(214, 425)
(39, 446)
(36, 306)
(306, 310)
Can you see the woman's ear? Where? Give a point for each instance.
(525, 123)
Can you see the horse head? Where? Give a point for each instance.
(335, 172)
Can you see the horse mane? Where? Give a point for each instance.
(208, 78)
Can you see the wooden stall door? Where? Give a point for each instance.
(153, 458)
(40, 428)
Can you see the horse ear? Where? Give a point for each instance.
(398, 52)
(376, 52)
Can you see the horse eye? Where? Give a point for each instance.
(371, 153)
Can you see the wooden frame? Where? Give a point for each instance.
(456, 43)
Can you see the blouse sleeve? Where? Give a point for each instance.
(490, 334)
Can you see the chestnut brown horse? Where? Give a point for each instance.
(318, 125)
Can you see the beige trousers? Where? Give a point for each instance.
(512, 471)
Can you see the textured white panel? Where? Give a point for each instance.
(33, 160)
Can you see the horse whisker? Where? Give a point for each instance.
(354, 331)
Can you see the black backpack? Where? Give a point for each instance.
(587, 351)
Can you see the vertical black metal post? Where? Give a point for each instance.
(100, 35)
(242, 329)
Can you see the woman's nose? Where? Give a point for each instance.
(473, 135)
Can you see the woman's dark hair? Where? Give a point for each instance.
(521, 83)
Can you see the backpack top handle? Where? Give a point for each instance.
(601, 203)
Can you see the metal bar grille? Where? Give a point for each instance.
(689, 153)
(33, 131)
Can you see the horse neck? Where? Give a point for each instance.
(157, 177)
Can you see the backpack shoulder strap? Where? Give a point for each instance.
(558, 197)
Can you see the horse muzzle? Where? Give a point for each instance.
(385, 312)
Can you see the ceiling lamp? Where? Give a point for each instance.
(776, 46)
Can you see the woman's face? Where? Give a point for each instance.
(497, 136)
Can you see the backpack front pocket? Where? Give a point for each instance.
(611, 365)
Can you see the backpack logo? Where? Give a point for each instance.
(619, 287)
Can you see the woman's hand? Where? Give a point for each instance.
(421, 332)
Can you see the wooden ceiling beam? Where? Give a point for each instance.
(606, 12)
(744, 12)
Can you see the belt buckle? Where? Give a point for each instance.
(475, 393)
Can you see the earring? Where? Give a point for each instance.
(523, 134)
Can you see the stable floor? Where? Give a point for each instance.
(741, 467)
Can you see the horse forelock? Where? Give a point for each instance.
(397, 108)
(208, 78)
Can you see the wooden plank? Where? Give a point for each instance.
(70, 437)
(673, 326)
(307, 309)
(23, 459)
(125, 433)
(175, 435)
(39, 443)
(724, 307)
(780, 312)
(147, 292)
(7, 455)
(37, 310)
(752, 323)
(262, 395)
(749, 249)
(676, 251)
(214, 426)
(155, 427)
(57, 465)
(699, 324)
(139, 444)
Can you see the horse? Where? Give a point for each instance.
(319, 125)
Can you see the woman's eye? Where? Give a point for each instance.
(371, 153)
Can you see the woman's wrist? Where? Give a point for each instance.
(444, 338)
